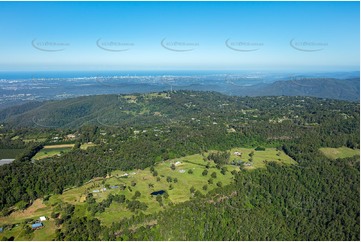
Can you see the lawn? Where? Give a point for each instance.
(341, 152)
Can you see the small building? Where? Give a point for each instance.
(96, 191)
(42, 218)
(125, 175)
(237, 153)
(1, 230)
(178, 163)
(37, 225)
(71, 136)
(114, 187)
(182, 171)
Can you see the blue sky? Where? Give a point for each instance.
(302, 36)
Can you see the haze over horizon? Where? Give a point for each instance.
(267, 36)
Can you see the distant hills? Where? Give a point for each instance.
(119, 110)
(163, 107)
(23, 91)
(342, 89)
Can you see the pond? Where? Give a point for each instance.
(160, 192)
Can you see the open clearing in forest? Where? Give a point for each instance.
(341, 152)
(53, 150)
(59, 146)
(50, 151)
(35, 210)
(145, 182)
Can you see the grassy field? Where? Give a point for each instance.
(145, 183)
(34, 140)
(342, 152)
(270, 154)
(41, 137)
(53, 150)
(37, 209)
(9, 153)
(86, 145)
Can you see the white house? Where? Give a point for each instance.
(42, 218)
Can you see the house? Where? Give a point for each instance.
(71, 136)
(114, 187)
(178, 163)
(95, 191)
(1, 230)
(37, 225)
(237, 153)
(42, 218)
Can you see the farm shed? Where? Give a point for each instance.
(37, 225)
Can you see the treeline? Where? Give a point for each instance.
(318, 201)
(29, 153)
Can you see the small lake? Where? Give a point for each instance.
(160, 192)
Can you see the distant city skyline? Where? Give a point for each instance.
(267, 36)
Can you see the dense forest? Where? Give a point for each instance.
(318, 199)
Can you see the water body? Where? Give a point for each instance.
(6, 161)
(160, 192)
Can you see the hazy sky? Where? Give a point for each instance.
(179, 35)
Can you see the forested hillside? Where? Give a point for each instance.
(316, 199)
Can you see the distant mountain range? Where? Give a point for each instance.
(95, 109)
(14, 92)
(343, 89)
(331, 88)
